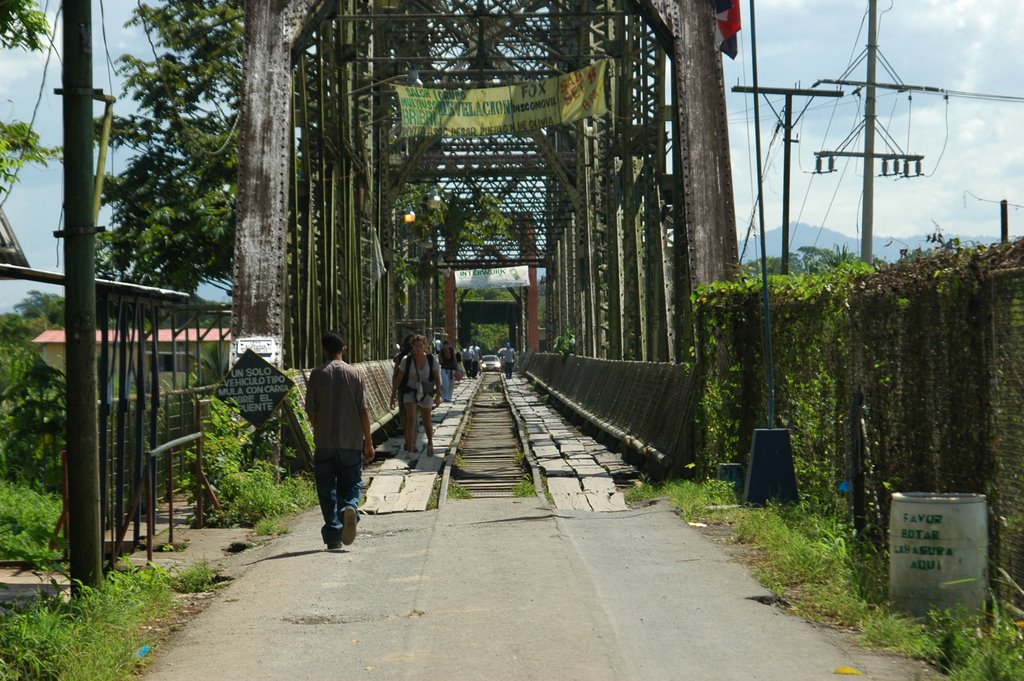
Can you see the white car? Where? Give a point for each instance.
(490, 363)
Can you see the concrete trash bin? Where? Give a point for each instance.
(938, 551)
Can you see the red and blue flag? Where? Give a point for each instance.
(727, 20)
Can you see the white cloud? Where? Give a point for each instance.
(967, 144)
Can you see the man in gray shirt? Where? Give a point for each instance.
(336, 405)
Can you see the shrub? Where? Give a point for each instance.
(250, 496)
(27, 519)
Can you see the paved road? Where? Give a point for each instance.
(496, 589)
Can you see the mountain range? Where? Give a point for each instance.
(886, 248)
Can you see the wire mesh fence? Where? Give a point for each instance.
(910, 379)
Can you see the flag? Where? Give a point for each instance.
(727, 16)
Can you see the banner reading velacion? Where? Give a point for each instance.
(510, 109)
(497, 277)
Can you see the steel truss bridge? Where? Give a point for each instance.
(622, 213)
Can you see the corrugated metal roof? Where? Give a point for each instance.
(10, 249)
(56, 336)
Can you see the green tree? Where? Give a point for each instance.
(174, 204)
(22, 26)
(474, 220)
(33, 315)
(19, 146)
(47, 307)
(32, 419)
(807, 260)
(814, 260)
(17, 331)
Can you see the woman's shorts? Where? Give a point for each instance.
(427, 402)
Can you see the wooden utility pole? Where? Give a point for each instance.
(80, 299)
(787, 137)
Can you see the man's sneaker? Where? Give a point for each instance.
(335, 545)
(348, 525)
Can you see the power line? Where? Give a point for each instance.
(968, 192)
(927, 89)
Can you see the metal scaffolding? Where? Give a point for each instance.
(623, 212)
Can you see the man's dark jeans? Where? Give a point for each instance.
(339, 483)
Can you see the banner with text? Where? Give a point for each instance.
(509, 109)
(498, 277)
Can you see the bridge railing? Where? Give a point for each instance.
(647, 407)
(376, 376)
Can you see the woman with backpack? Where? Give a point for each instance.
(418, 382)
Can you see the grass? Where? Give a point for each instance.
(93, 637)
(27, 519)
(266, 527)
(198, 577)
(103, 634)
(828, 575)
(457, 491)
(525, 488)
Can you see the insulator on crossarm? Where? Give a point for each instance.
(906, 168)
(831, 164)
(885, 167)
(918, 169)
(817, 165)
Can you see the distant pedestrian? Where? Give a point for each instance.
(508, 358)
(418, 385)
(449, 365)
(404, 349)
(460, 367)
(336, 405)
(470, 359)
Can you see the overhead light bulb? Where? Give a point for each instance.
(414, 77)
(410, 215)
(434, 200)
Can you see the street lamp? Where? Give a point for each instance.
(434, 199)
(410, 215)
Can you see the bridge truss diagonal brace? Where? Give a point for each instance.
(548, 152)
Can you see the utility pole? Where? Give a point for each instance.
(894, 154)
(868, 209)
(787, 137)
(80, 298)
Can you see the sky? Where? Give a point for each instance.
(973, 148)
(33, 206)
